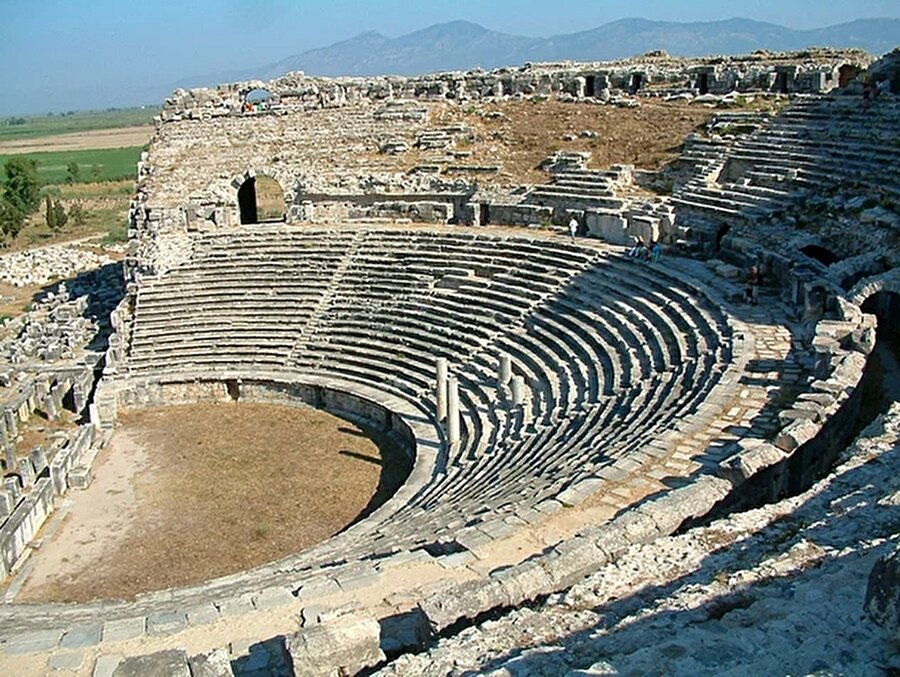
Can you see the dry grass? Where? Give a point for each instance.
(224, 487)
(526, 132)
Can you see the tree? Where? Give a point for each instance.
(21, 186)
(11, 219)
(55, 215)
(72, 173)
(49, 213)
(61, 217)
(96, 172)
(76, 211)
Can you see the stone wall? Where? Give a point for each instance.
(812, 71)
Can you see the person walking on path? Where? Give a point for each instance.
(573, 227)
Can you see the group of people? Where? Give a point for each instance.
(652, 252)
(646, 251)
(642, 251)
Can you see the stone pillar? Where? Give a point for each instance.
(580, 86)
(38, 460)
(518, 391)
(505, 369)
(452, 410)
(13, 488)
(26, 472)
(49, 407)
(12, 428)
(9, 458)
(441, 388)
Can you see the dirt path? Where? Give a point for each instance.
(185, 494)
(123, 137)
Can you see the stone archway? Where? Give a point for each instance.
(260, 199)
(821, 254)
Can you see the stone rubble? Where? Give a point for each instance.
(52, 329)
(45, 264)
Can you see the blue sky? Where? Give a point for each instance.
(50, 47)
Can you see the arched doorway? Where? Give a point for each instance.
(821, 254)
(258, 99)
(847, 74)
(703, 83)
(722, 231)
(637, 81)
(261, 200)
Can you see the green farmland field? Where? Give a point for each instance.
(107, 164)
(29, 127)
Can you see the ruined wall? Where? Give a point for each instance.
(329, 142)
(810, 71)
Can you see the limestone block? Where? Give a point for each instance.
(644, 227)
(213, 664)
(404, 632)
(574, 559)
(796, 434)
(524, 582)
(638, 527)
(728, 271)
(464, 600)
(609, 225)
(80, 477)
(7, 503)
(26, 472)
(346, 646)
(38, 459)
(744, 465)
(168, 663)
(882, 603)
(850, 369)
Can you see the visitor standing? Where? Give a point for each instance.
(751, 291)
(573, 227)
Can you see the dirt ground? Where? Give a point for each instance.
(123, 137)
(15, 300)
(184, 494)
(520, 134)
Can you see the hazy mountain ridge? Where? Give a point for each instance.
(461, 45)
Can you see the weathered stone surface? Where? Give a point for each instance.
(465, 600)
(795, 434)
(345, 645)
(213, 664)
(169, 663)
(883, 594)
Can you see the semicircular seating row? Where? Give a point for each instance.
(613, 353)
(816, 145)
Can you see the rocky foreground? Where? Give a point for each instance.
(779, 590)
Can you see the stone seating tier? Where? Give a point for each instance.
(606, 347)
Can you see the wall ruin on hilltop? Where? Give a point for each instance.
(370, 147)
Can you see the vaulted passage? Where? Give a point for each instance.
(703, 83)
(821, 254)
(261, 200)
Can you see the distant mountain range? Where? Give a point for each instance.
(460, 45)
